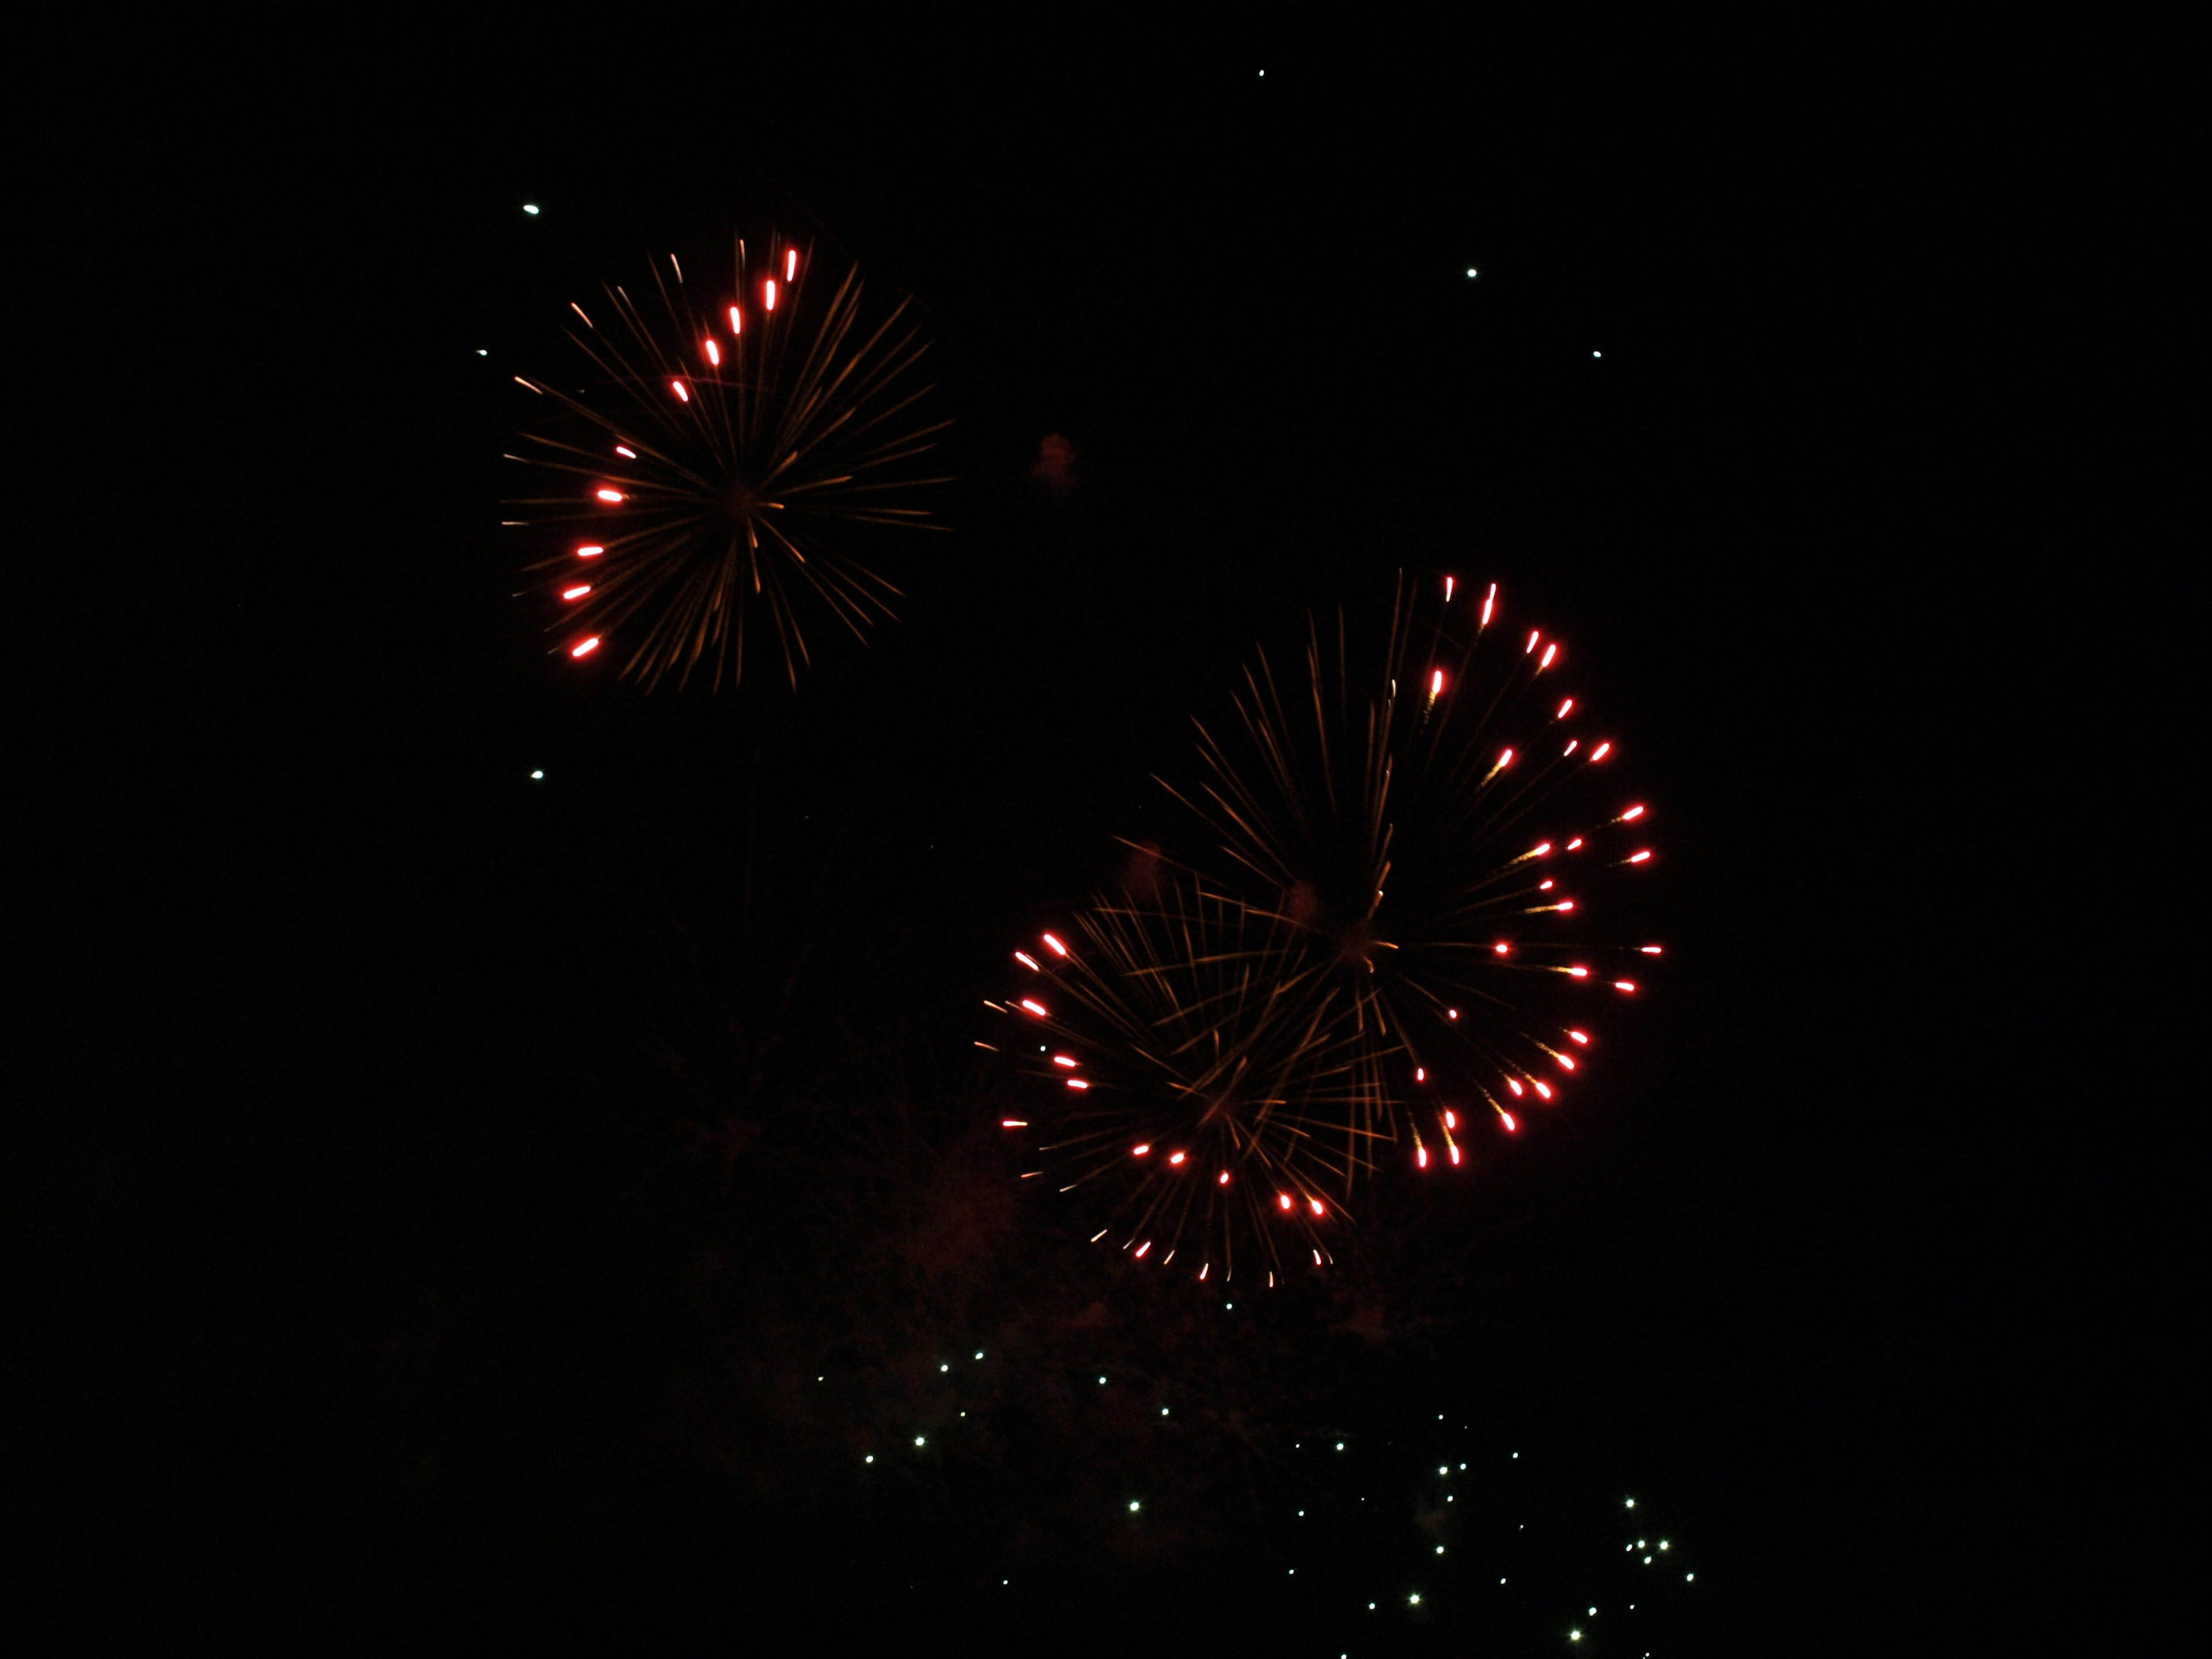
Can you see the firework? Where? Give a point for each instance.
(1195, 1070)
(738, 441)
(1396, 920)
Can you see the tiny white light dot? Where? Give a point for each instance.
(1339, 1445)
(540, 775)
(1597, 354)
(483, 354)
(918, 1440)
(869, 1458)
(979, 1353)
(531, 208)
(944, 1368)
(1133, 1509)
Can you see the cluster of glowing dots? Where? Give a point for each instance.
(710, 349)
(1521, 1087)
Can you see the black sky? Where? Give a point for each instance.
(303, 931)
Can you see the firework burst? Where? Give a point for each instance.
(718, 476)
(1194, 1070)
(1401, 906)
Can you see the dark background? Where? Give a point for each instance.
(364, 1252)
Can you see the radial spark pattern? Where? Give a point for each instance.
(720, 477)
(1399, 910)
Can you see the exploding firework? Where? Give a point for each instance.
(1196, 1069)
(718, 475)
(1399, 911)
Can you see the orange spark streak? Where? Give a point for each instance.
(1055, 945)
(589, 552)
(585, 649)
(611, 497)
(576, 592)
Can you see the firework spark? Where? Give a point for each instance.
(719, 474)
(1201, 1075)
(1403, 877)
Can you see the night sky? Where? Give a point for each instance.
(441, 1186)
